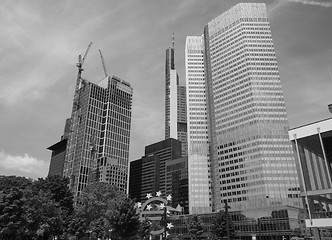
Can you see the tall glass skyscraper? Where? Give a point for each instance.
(175, 103)
(99, 133)
(200, 186)
(236, 112)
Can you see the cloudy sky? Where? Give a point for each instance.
(41, 40)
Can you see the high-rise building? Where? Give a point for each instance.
(99, 134)
(57, 158)
(59, 153)
(238, 147)
(200, 186)
(161, 169)
(175, 103)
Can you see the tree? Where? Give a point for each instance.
(219, 228)
(33, 210)
(60, 193)
(43, 215)
(144, 230)
(124, 218)
(55, 189)
(196, 227)
(12, 219)
(7, 183)
(105, 210)
(78, 226)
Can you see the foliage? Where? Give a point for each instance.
(196, 227)
(219, 226)
(12, 219)
(43, 209)
(78, 226)
(124, 218)
(33, 210)
(60, 193)
(104, 210)
(43, 215)
(144, 230)
(9, 182)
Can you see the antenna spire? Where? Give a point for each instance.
(173, 42)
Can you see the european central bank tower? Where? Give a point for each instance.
(238, 147)
(98, 143)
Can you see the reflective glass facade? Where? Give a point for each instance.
(99, 133)
(250, 159)
(200, 192)
(276, 223)
(175, 103)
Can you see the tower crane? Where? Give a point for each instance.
(80, 65)
(103, 62)
(79, 75)
(81, 60)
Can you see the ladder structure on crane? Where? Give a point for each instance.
(75, 119)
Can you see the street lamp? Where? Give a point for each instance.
(227, 220)
(259, 228)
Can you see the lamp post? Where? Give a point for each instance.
(165, 222)
(227, 220)
(259, 228)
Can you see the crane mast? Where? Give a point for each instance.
(75, 121)
(103, 62)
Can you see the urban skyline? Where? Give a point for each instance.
(35, 100)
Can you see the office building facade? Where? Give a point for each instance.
(58, 154)
(175, 103)
(57, 158)
(249, 160)
(99, 134)
(163, 169)
(200, 185)
(313, 153)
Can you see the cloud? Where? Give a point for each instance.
(24, 165)
(316, 3)
(275, 7)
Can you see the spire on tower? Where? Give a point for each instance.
(173, 41)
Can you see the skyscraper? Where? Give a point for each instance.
(161, 169)
(99, 133)
(238, 148)
(200, 185)
(175, 103)
(59, 153)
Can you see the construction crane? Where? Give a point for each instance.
(75, 118)
(79, 75)
(103, 62)
(81, 60)
(80, 65)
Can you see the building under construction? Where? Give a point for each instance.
(98, 142)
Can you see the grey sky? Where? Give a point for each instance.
(41, 40)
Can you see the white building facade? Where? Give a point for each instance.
(200, 192)
(250, 160)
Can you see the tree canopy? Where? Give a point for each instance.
(195, 227)
(105, 211)
(43, 209)
(34, 209)
(219, 226)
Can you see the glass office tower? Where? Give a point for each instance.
(250, 158)
(99, 134)
(200, 191)
(175, 103)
